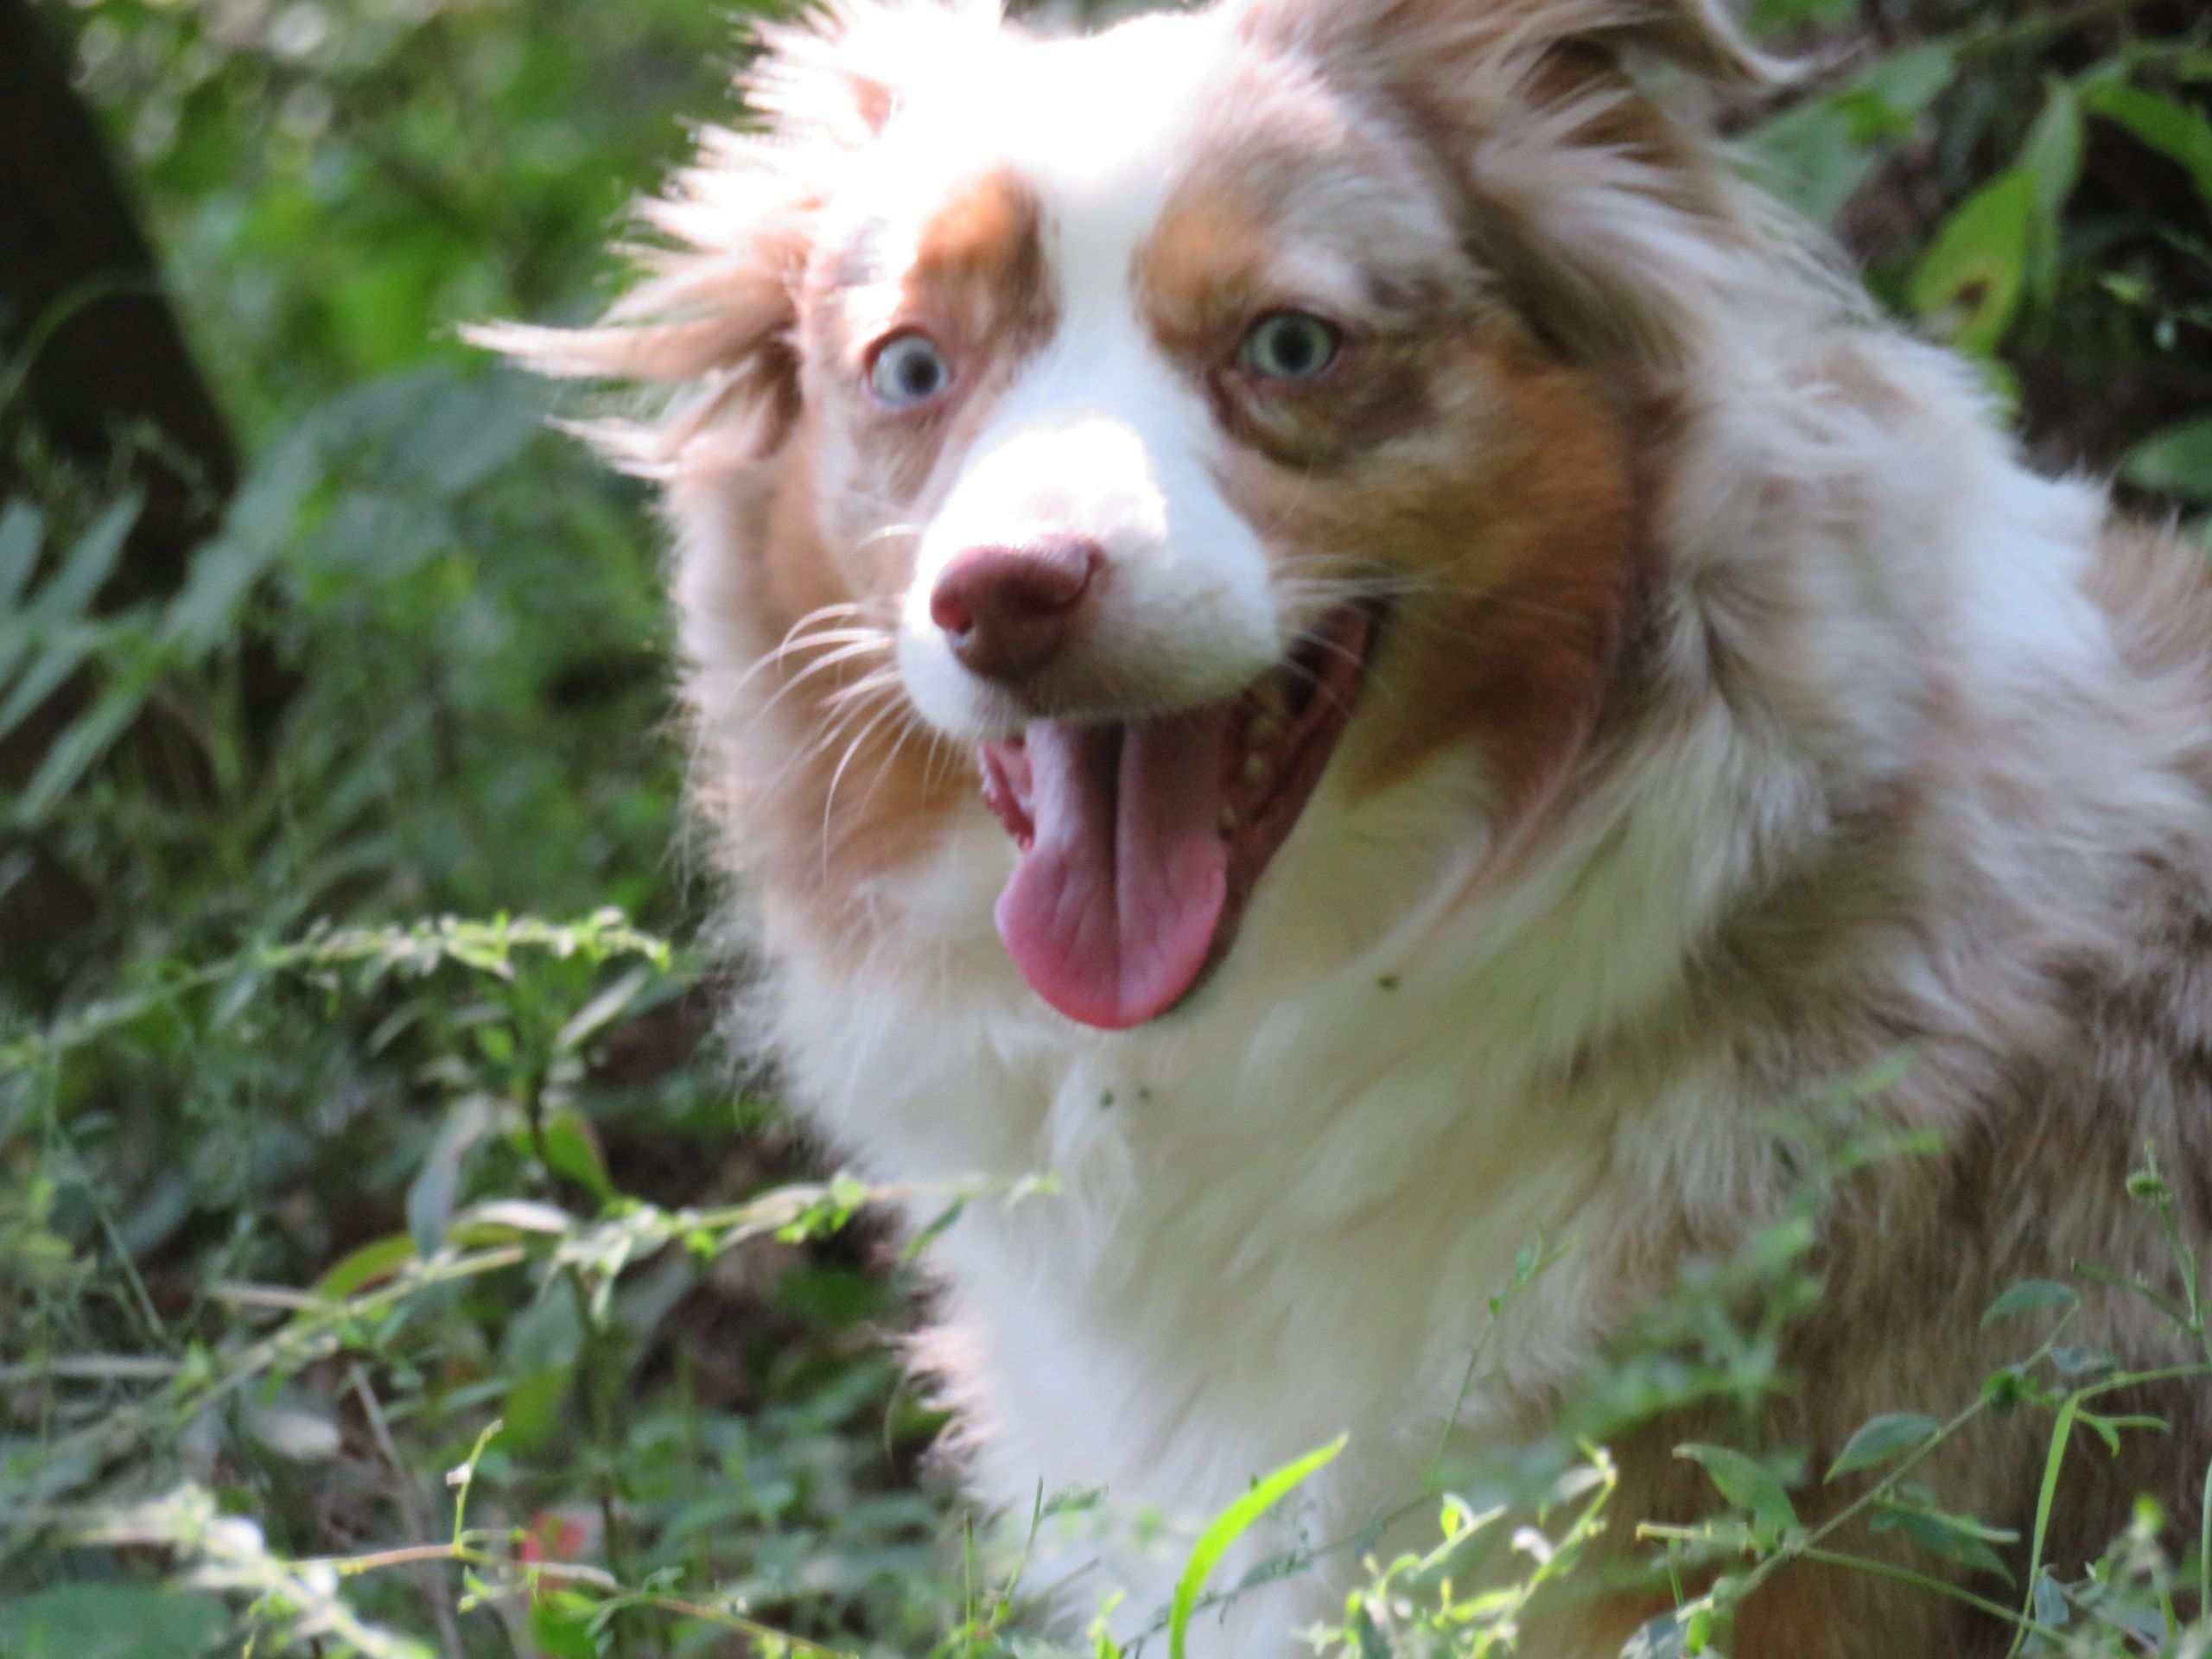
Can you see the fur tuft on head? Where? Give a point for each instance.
(733, 232)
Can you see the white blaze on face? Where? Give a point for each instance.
(1101, 438)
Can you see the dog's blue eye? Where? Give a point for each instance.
(1290, 345)
(908, 369)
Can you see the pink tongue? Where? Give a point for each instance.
(1112, 912)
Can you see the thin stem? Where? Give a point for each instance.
(1873, 1495)
(436, 1590)
(2062, 22)
(461, 1555)
(1882, 1569)
(2204, 1548)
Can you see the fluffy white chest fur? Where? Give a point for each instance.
(1235, 1267)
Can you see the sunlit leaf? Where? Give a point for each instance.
(561, 1625)
(1231, 1524)
(378, 1259)
(1968, 285)
(294, 1431)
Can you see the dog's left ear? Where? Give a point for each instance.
(1424, 37)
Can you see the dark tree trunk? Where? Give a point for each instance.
(97, 383)
(107, 380)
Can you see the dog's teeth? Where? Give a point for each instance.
(1258, 772)
(1271, 697)
(1230, 822)
(1264, 731)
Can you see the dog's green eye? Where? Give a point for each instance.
(908, 369)
(1290, 345)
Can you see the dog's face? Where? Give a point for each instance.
(1199, 418)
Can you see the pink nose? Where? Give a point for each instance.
(1007, 611)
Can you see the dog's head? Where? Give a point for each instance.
(1168, 418)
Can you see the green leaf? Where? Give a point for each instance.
(23, 527)
(532, 1409)
(1880, 1438)
(1663, 1637)
(2176, 460)
(2052, 155)
(2172, 129)
(572, 1151)
(559, 1623)
(1231, 1524)
(2031, 1296)
(431, 1195)
(2062, 1435)
(1969, 284)
(67, 596)
(504, 1220)
(1817, 155)
(71, 591)
(88, 737)
(110, 1621)
(378, 1259)
(256, 532)
(2050, 1603)
(1890, 99)
(1747, 1484)
(603, 1009)
(2074, 1359)
(1954, 1537)
(929, 1235)
(294, 1430)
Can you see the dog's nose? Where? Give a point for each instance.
(1007, 611)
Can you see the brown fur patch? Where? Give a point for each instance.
(856, 788)
(1447, 460)
(1506, 538)
(973, 276)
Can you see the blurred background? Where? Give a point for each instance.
(358, 1081)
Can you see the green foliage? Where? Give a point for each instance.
(2070, 157)
(382, 1285)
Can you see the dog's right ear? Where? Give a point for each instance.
(1618, 232)
(733, 231)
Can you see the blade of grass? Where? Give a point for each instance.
(1233, 1523)
(2061, 1432)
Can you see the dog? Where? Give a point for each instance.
(1311, 616)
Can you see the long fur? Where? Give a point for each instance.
(1752, 716)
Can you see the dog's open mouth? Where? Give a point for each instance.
(1141, 840)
